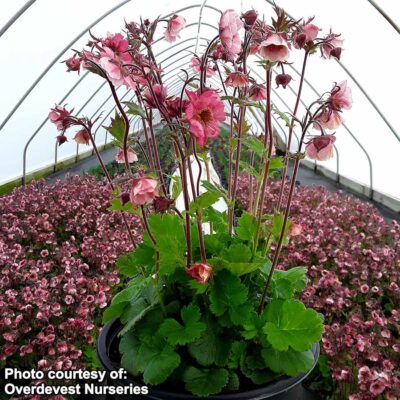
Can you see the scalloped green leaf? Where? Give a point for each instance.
(203, 382)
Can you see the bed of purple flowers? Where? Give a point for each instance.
(58, 248)
(353, 260)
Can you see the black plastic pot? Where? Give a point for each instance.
(284, 388)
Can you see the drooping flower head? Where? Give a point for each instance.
(237, 80)
(200, 272)
(160, 94)
(332, 46)
(175, 24)
(229, 26)
(204, 112)
(257, 92)
(341, 97)
(73, 63)
(320, 147)
(60, 117)
(283, 79)
(120, 157)
(143, 191)
(196, 65)
(329, 119)
(274, 48)
(250, 17)
(82, 137)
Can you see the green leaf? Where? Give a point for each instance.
(134, 109)
(233, 382)
(255, 145)
(214, 188)
(282, 116)
(288, 362)
(237, 253)
(236, 353)
(131, 264)
(253, 367)
(227, 291)
(211, 347)
(245, 166)
(155, 359)
(217, 218)
(277, 225)
(116, 205)
(176, 333)
(170, 238)
(286, 283)
(203, 382)
(276, 163)
(246, 229)
(117, 128)
(205, 200)
(176, 186)
(129, 346)
(291, 324)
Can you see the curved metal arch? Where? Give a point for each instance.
(385, 15)
(14, 18)
(368, 97)
(59, 55)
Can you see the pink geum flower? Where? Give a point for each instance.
(237, 80)
(160, 94)
(204, 112)
(195, 64)
(200, 272)
(341, 96)
(175, 25)
(320, 147)
(143, 191)
(332, 46)
(311, 32)
(132, 156)
(295, 229)
(229, 26)
(82, 137)
(329, 119)
(274, 48)
(60, 117)
(257, 93)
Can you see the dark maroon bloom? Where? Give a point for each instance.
(124, 198)
(336, 52)
(283, 79)
(250, 17)
(162, 204)
(61, 139)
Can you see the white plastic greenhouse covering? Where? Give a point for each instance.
(32, 78)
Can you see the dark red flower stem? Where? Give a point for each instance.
(126, 122)
(291, 127)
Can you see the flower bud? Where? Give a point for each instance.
(73, 63)
(61, 139)
(200, 272)
(336, 52)
(283, 79)
(301, 40)
(162, 204)
(250, 17)
(124, 197)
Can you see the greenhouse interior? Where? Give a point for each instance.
(199, 200)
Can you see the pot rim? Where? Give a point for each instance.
(109, 332)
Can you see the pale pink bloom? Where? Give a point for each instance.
(204, 112)
(119, 45)
(112, 66)
(82, 137)
(257, 92)
(364, 288)
(295, 230)
(250, 17)
(274, 48)
(120, 158)
(329, 119)
(60, 117)
(320, 147)
(236, 80)
(311, 32)
(378, 386)
(341, 96)
(195, 64)
(229, 26)
(331, 46)
(175, 25)
(364, 374)
(143, 191)
(200, 272)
